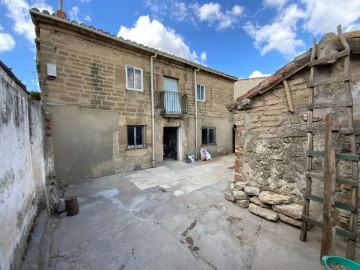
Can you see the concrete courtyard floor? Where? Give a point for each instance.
(173, 217)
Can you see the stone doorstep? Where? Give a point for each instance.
(38, 250)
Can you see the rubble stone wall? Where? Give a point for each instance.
(272, 141)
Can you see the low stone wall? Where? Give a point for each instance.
(267, 204)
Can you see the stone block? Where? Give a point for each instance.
(239, 186)
(263, 212)
(289, 220)
(273, 198)
(292, 210)
(243, 203)
(240, 195)
(252, 191)
(256, 201)
(229, 196)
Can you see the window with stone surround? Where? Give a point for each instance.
(208, 135)
(134, 78)
(136, 137)
(200, 93)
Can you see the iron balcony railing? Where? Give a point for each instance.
(173, 103)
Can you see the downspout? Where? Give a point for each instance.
(152, 108)
(196, 114)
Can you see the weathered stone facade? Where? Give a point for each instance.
(91, 108)
(272, 140)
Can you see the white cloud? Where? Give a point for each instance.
(280, 35)
(7, 42)
(275, 3)
(258, 74)
(18, 11)
(154, 34)
(203, 56)
(344, 12)
(213, 14)
(180, 12)
(157, 6)
(74, 13)
(85, 1)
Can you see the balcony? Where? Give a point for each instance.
(173, 104)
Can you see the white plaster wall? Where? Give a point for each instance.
(17, 186)
(37, 147)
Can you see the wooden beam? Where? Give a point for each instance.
(288, 96)
(327, 239)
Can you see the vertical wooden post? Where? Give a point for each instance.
(327, 239)
(288, 96)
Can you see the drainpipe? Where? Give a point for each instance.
(196, 114)
(152, 108)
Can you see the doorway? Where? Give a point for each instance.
(170, 143)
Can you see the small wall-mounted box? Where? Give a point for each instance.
(51, 70)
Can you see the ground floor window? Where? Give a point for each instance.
(136, 137)
(208, 136)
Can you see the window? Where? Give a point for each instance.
(208, 135)
(136, 137)
(134, 78)
(200, 93)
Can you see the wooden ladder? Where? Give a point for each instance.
(330, 175)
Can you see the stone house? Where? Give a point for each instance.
(272, 118)
(116, 106)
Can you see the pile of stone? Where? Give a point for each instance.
(266, 204)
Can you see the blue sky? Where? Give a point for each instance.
(241, 38)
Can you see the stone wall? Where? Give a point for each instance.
(88, 96)
(272, 143)
(22, 170)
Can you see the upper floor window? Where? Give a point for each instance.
(136, 137)
(134, 78)
(200, 92)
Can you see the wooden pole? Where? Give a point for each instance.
(327, 239)
(288, 96)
